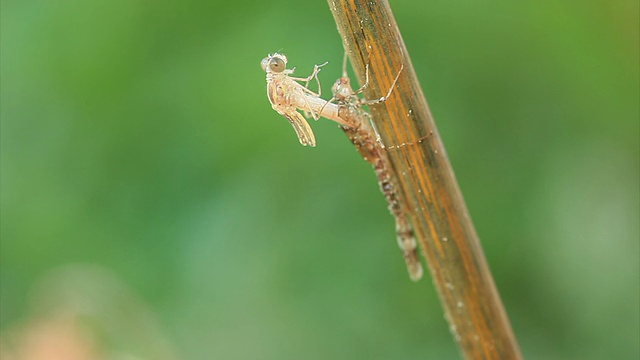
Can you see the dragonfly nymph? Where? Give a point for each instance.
(287, 95)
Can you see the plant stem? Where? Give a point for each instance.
(442, 225)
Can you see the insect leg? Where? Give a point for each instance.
(366, 82)
(384, 98)
(419, 141)
(314, 74)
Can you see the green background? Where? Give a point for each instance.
(147, 183)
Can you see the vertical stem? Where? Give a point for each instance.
(442, 224)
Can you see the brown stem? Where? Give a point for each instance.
(442, 224)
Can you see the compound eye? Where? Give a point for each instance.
(335, 88)
(277, 65)
(345, 91)
(264, 63)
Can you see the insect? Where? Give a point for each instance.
(364, 137)
(287, 96)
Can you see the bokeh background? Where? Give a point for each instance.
(155, 206)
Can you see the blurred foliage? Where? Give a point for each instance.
(136, 137)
